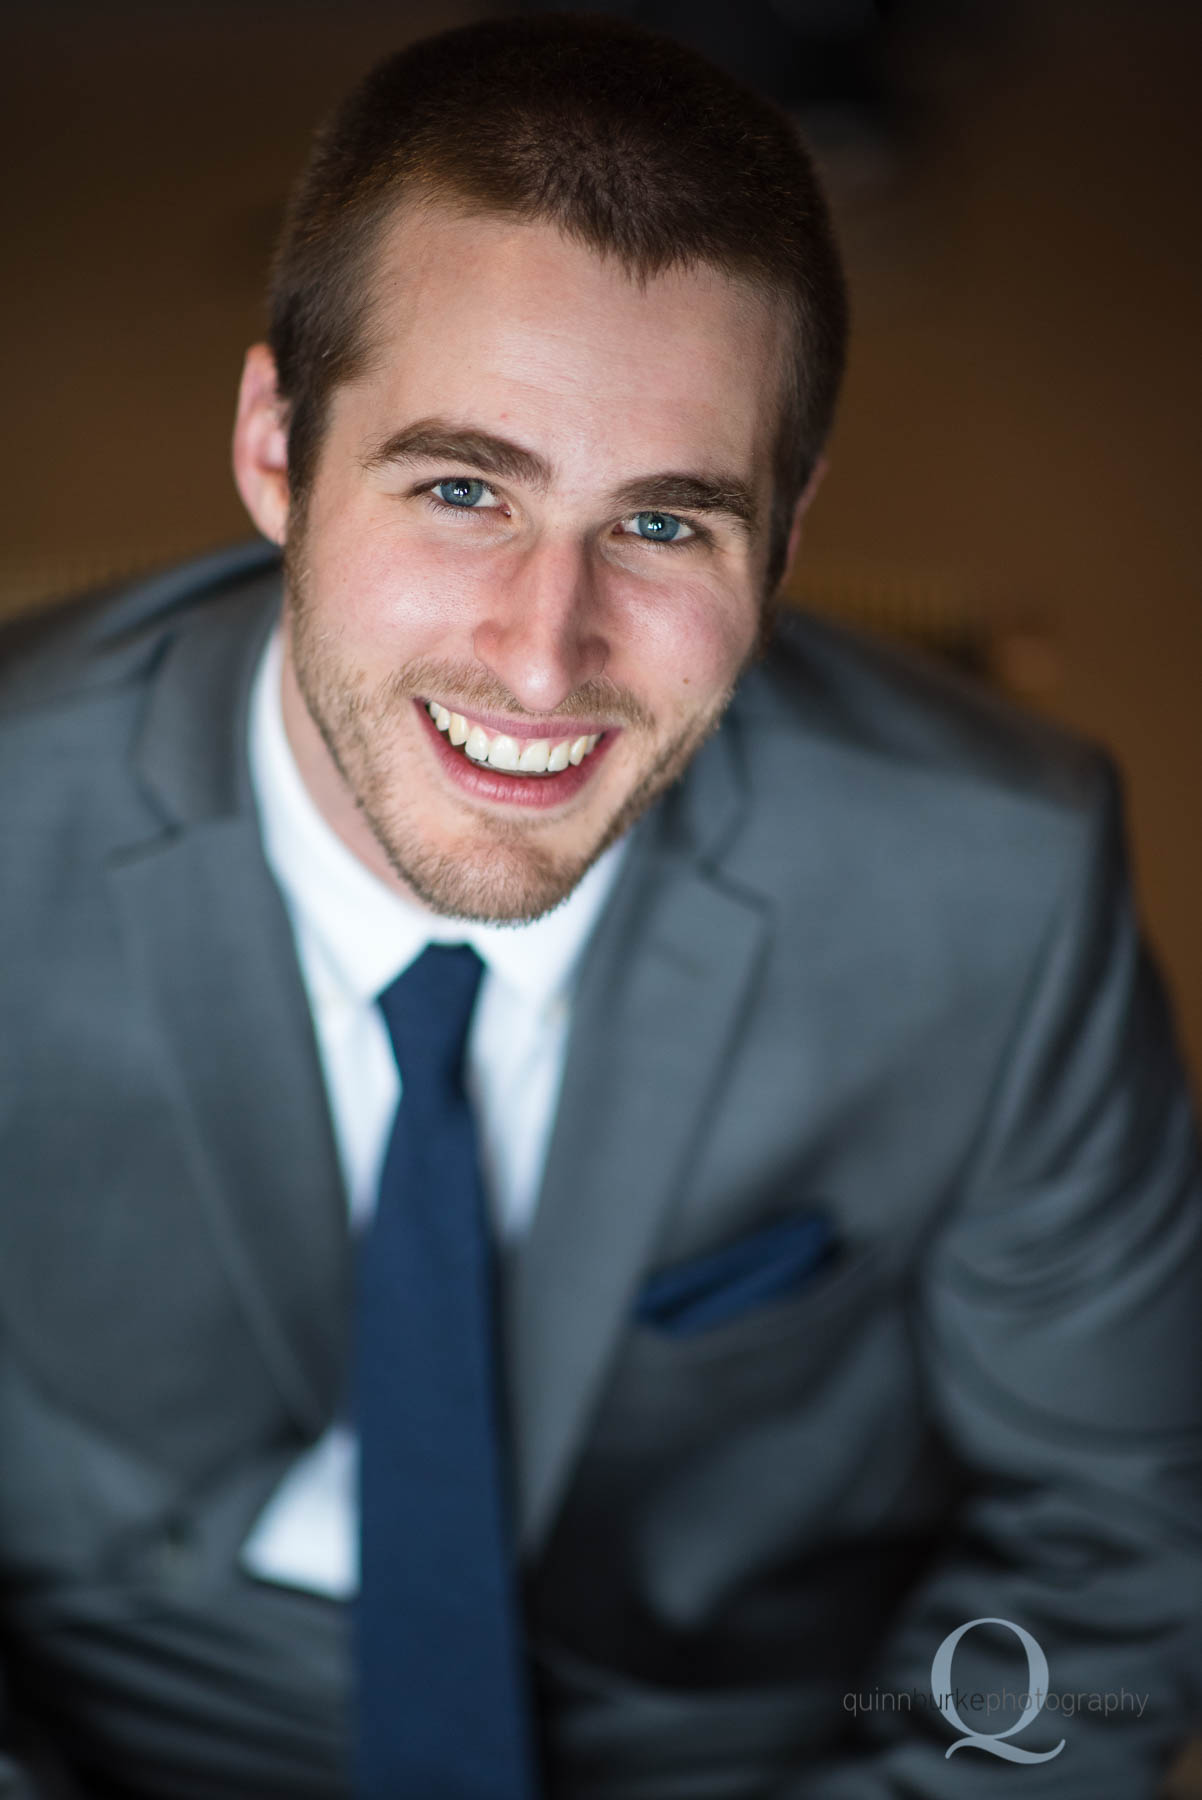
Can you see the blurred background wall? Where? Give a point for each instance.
(1016, 474)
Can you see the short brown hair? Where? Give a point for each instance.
(626, 141)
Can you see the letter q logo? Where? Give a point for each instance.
(1037, 1687)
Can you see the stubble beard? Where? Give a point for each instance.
(502, 872)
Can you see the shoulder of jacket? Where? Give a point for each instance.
(109, 639)
(904, 715)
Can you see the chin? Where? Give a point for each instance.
(497, 882)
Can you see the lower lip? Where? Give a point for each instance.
(534, 792)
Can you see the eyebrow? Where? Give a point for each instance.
(434, 440)
(438, 440)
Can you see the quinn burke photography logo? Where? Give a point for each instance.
(953, 1702)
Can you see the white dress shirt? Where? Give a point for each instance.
(354, 936)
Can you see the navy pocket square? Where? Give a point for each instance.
(718, 1286)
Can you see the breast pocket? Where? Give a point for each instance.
(768, 1357)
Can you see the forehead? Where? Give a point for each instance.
(519, 329)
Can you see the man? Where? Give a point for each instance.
(566, 1232)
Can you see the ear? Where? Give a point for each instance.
(261, 445)
(799, 513)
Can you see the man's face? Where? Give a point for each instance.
(539, 519)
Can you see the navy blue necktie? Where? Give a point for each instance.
(443, 1712)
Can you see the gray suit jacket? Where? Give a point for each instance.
(873, 957)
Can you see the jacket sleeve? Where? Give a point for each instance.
(1059, 1323)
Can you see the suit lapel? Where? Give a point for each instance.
(210, 939)
(661, 993)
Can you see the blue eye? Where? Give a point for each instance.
(653, 527)
(657, 527)
(460, 491)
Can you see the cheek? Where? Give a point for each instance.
(690, 644)
(377, 596)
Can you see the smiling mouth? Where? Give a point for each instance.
(509, 755)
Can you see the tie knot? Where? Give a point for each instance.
(428, 1009)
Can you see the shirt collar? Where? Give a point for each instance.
(365, 932)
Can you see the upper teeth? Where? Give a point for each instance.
(542, 756)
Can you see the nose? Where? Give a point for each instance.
(541, 630)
